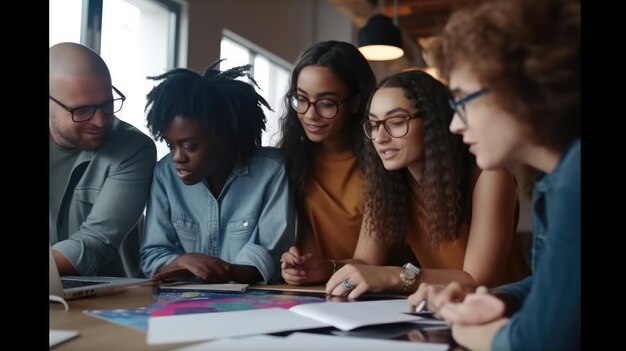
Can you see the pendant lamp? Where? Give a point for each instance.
(380, 39)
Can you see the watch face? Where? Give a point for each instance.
(409, 274)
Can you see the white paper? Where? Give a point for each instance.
(402, 306)
(206, 326)
(347, 316)
(59, 336)
(312, 342)
(210, 287)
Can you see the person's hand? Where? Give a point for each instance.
(333, 298)
(423, 293)
(292, 266)
(437, 295)
(354, 280)
(297, 269)
(477, 337)
(478, 308)
(167, 274)
(433, 336)
(209, 269)
(64, 265)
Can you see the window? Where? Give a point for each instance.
(133, 47)
(269, 71)
(65, 18)
(136, 38)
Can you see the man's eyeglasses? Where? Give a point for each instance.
(397, 127)
(85, 113)
(325, 108)
(458, 106)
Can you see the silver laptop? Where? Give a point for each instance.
(71, 287)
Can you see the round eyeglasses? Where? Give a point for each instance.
(84, 113)
(458, 106)
(325, 108)
(396, 127)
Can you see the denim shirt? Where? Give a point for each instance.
(251, 222)
(549, 318)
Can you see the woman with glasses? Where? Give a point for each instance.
(322, 145)
(423, 189)
(525, 56)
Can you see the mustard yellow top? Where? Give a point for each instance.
(450, 255)
(333, 206)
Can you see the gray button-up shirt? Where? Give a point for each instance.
(102, 200)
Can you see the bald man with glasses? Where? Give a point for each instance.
(100, 168)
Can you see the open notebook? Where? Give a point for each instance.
(344, 316)
(74, 286)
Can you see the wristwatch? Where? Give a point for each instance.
(409, 274)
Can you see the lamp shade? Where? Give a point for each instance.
(380, 39)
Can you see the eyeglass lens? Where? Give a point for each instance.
(458, 106)
(108, 109)
(397, 127)
(325, 108)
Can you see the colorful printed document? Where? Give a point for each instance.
(174, 295)
(178, 302)
(134, 318)
(240, 288)
(232, 303)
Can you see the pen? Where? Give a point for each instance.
(420, 310)
(420, 307)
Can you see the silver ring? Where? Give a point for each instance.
(347, 285)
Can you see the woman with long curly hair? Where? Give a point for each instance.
(322, 144)
(424, 188)
(514, 70)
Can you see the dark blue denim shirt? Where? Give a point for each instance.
(549, 317)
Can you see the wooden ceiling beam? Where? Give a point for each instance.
(358, 11)
(424, 24)
(408, 7)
